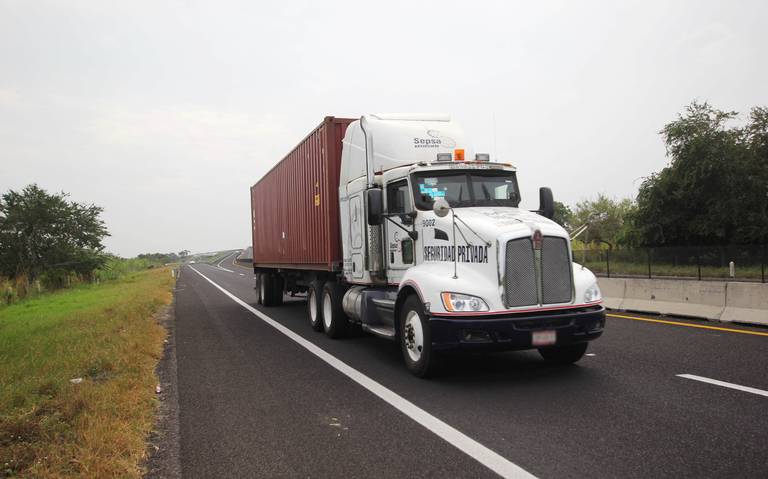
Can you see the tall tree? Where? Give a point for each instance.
(563, 215)
(606, 220)
(715, 188)
(41, 231)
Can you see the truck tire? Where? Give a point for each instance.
(315, 305)
(567, 354)
(277, 290)
(335, 323)
(257, 287)
(263, 291)
(416, 338)
(267, 295)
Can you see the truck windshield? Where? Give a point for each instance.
(466, 188)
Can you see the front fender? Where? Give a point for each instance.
(582, 279)
(431, 279)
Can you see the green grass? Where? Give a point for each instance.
(118, 267)
(18, 289)
(105, 334)
(619, 268)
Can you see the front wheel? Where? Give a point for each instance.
(416, 338)
(567, 354)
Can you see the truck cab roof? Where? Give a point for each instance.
(399, 139)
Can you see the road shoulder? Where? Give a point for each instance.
(163, 451)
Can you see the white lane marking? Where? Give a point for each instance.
(724, 384)
(225, 269)
(459, 440)
(242, 274)
(224, 258)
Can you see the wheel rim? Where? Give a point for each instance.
(262, 290)
(312, 306)
(413, 336)
(327, 311)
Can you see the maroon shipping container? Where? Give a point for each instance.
(295, 206)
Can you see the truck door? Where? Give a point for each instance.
(357, 225)
(400, 247)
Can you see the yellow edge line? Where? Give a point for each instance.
(677, 323)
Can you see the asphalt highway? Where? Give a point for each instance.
(263, 395)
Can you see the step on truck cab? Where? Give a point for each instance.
(392, 223)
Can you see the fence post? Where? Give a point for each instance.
(608, 262)
(649, 263)
(698, 264)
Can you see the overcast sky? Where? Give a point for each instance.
(165, 112)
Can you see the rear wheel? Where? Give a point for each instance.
(567, 354)
(264, 289)
(277, 290)
(314, 305)
(416, 338)
(270, 290)
(257, 287)
(335, 323)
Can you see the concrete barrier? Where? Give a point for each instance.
(746, 303)
(698, 299)
(713, 300)
(613, 291)
(246, 255)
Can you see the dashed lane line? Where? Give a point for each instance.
(724, 384)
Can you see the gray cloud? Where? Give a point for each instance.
(165, 113)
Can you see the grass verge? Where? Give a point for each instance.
(105, 334)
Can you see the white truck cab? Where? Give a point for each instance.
(438, 255)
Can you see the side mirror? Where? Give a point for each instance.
(441, 207)
(375, 202)
(546, 203)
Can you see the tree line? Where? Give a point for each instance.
(50, 241)
(714, 191)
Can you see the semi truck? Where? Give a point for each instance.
(393, 224)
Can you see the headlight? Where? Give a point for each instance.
(593, 294)
(463, 302)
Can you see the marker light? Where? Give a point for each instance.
(458, 154)
(463, 302)
(482, 157)
(443, 157)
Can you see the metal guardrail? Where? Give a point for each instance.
(734, 263)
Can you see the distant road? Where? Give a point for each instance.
(651, 400)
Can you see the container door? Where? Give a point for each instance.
(357, 225)
(400, 247)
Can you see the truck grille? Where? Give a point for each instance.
(520, 274)
(532, 278)
(555, 271)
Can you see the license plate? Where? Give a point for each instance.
(544, 338)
